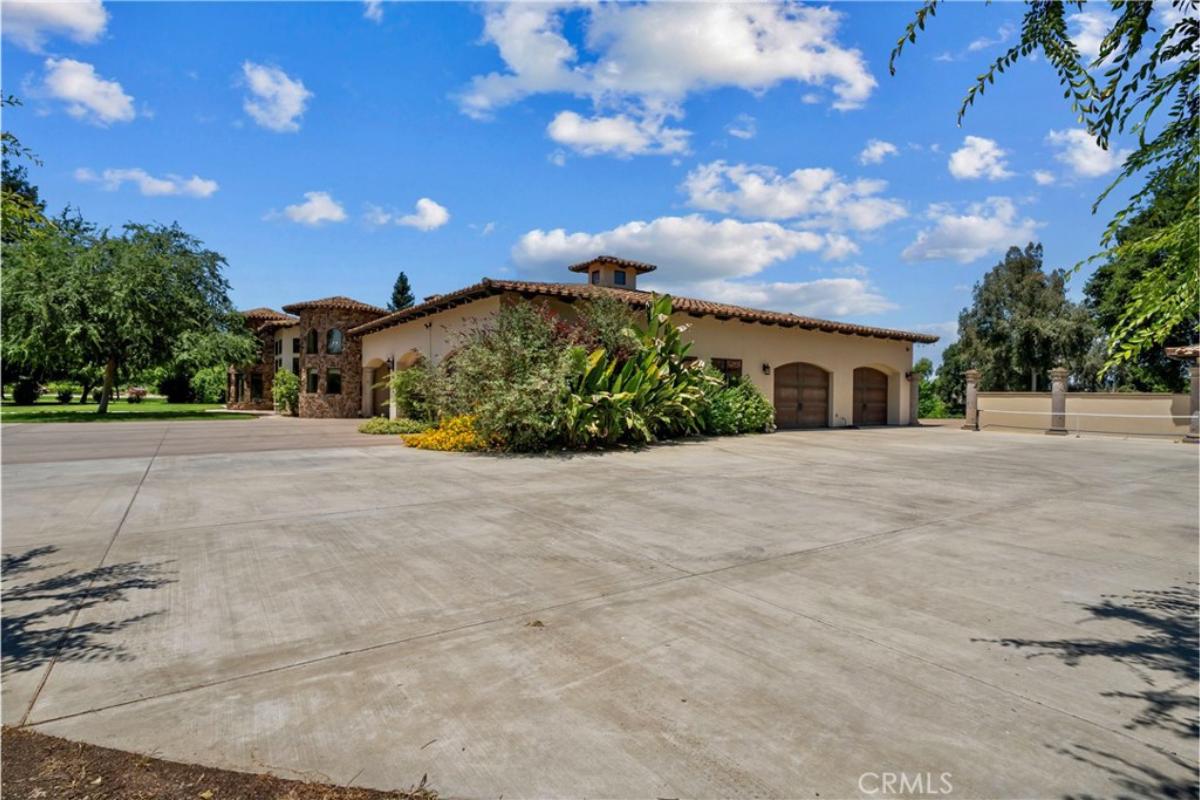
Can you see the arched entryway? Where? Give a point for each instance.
(381, 397)
(870, 397)
(801, 396)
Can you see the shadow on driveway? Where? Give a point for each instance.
(41, 604)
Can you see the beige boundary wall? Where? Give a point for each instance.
(756, 345)
(1121, 414)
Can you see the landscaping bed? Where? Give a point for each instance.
(39, 766)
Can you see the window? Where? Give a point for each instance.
(237, 387)
(278, 364)
(731, 368)
(619, 277)
(313, 377)
(333, 341)
(296, 365)
(596, 276)
(295, 344)
(256, 386)
(312, 342)
(333, 381)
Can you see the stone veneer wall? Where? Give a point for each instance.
(349, 361)
(265, 366)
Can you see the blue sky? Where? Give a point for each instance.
(759, 154)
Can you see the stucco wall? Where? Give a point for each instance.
(1117, 413)
(285, 337)
(754, 344)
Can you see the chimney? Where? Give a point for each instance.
(612, 272)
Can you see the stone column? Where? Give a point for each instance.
(914, 397)
(368, 380)
(972, 400)
(1193, 434)
(1058, 401)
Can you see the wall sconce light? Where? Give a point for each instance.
(766, 369)
(391, 363)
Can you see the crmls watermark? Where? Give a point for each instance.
(905, 783)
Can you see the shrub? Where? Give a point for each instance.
(454, 433)
(511, 376)
(285, 391)
(135, 394)
(413, 389)
(385, 426)
(208, 385)
(96, 394)
(737, 407)
(26, 392)
(607, 322)
(176, 387)
(655, 394)
(63, 391)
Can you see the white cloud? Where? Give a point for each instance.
(147, 184)
(427, 216)
(1043, 177)
(876, 151)
(1003, 34)
(1087, 29)
(617, 135)
(30, 24)
(1079, 151)
(558, 158)
(988, 227)
(317, 209)
(816, 197)
(276, 101)
(88, 96)
(743, 126)
(373, 10)
(838, 247)
(979, 158)
(488, 229)
(707, 250)
(824, 297)
(665, 51)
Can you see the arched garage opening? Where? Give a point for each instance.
(801, 396)
(870, 396)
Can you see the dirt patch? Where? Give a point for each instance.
(40, 767)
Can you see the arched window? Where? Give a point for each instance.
(312, 342)
(333, 341)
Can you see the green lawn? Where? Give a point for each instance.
(47, 409)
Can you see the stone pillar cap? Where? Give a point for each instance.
(971, 374)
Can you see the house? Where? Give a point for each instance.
(818, 373)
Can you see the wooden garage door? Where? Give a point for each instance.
(801, 396)
(870, 397)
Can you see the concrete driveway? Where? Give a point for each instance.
(794, 615)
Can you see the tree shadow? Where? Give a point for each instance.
(1136, 780)
(1162, 649)
(41, 604)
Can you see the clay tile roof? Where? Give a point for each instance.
(637, 299)
(264, 313)
(637, 266)
(1186, 351)
(339, 302)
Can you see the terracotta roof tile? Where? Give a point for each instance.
(339, 302)
(637, 299)
(637, 266)
(264, 313)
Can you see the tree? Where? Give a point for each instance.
(1021, 324)
(402, 296)
(1147, 87)
(950, 385)
(148, 297)
(1110, 291)
(22, 211)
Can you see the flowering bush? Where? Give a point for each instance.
(285, 391)
(454, 433)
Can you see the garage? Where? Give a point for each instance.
(870, 397)
(801, 396)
